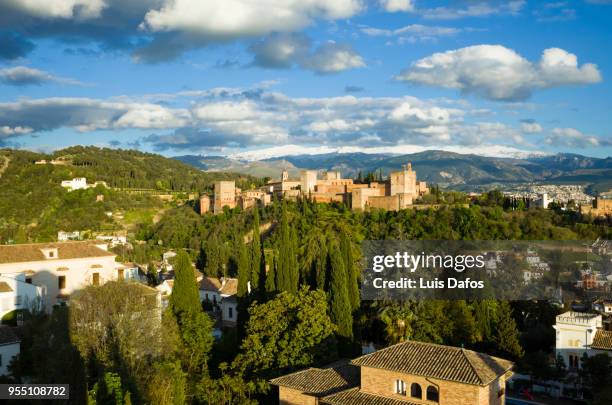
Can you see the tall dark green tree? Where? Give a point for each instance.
(271, 263)
(346, 247)
(244, 269)
(287, 276)
(256, 262)
(507, 334)
(194, 325)
(322, 265)
(185, 295)
(340, 304)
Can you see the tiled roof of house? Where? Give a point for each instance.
(602, 340)
(229, 287)
(4, 287)
(321, 381)
(355, 397)
(31, 252)
(8, 335)
(437, 361)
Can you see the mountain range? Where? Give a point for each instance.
(447, 169)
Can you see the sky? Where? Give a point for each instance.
(263, 78)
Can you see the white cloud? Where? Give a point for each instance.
(529, 127)
(478, 9)
(288, 50)
(86, 114)
(573, 138)
(4, 130)
(280, 50)
(231, 19)
(333, 58)
(498, 73)
(238, 118)
(412, 32)
(227, 111)
(78, 9)
(393, 6)
(23, 76)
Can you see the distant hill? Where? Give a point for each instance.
(257, 168)
(34, 206)
(447, 169)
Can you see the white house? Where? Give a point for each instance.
(78, 183)
(16, 293)
(61, 267)
(579, 333)
(113, 240)
(129, 272)
(66, 236)
(165, 290)
(9, 347)
(221, 293)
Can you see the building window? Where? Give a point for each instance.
(29, 280)
(61, 282)
(573, 361)
(432, 394)
(400, 387)
(51, 254)
(230, 314)
(17, 300)
(95, 279)
(415, 391)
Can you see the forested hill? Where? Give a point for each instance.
(127, 168)
(34, 206)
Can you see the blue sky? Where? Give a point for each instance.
(272, 77)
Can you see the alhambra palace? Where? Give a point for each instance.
(398, 192)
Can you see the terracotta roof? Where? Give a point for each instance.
(4, 287)
(230, 287)
(8, 335)
(31, 252)
(437, 361)
(321, 381)
(356, 397)
(602, 340)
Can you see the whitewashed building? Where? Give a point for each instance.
(63, 236)
(579, 334)
(60, 268)
(18, 294)
(221, 293)
(78, 183)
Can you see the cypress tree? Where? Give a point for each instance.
(288, 273)
(347, 254)
(185, 296)
(271, 275)
(294, 269)
(321, 266)
(255, 251)
(244, 269)
(339, 297)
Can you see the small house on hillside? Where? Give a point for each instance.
(221, 294)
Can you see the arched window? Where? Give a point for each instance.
(400, 387)
(415, 391)
(432, 394)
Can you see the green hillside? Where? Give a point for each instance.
(34, 206)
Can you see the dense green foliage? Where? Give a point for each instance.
(34, 206)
